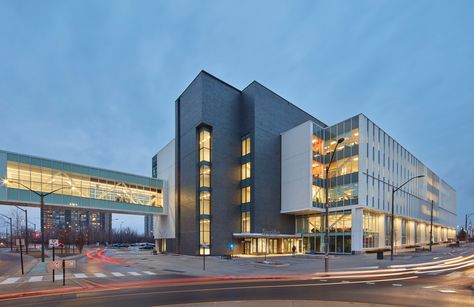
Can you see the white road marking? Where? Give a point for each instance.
(370, 283)
(323, 280)
(99, 274)
(397, 285)
(117, 274)
(80, 275)
(9, 281)
(447, 291)
(134, 273)
(35, 278)
(149, 273)
(58, 277)
(429, 287)
(436, 258)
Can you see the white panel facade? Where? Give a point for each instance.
(296, 161)
(164, 225)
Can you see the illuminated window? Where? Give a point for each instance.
(246, 221)
(204, 176)
(205, 141)
(43, 179)
(245, 173)
(204, 145)
(245, 195)
(205, 202)
(245, 146)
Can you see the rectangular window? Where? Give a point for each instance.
(245, 172)
(205, 203)
(205, 142)
(246, 221)
(205, 176)
(245, 146)
(204, 145)
(245, 195)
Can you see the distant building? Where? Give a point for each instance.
(148, 229)
(95, 225)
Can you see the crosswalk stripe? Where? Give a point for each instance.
(9, 281)
(35, 278)
(80, 275)
(149, 273)
(58, 277)
(99, 274)
(117, 274)
(134, 273)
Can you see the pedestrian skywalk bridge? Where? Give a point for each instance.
(59, 277)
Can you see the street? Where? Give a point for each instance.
(442, 290)
(131, 277)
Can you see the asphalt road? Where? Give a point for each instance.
(448, 289)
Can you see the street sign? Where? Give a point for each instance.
(70, 264)
(53, 243)
(20, 242)
(55, 264)
(58, 264)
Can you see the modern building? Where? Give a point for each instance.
(247, 167)
(148, 226)
(96, 226)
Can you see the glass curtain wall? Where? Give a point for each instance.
(44, 179)
(371, 230)
(312, 228)
(342, 182)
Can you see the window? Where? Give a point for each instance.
(204, 145)
(205, 176)
(205, 196)
(245, 195)
(245, 174)
(205, 203)
(371, 232)
(246, 221)
(245, 146)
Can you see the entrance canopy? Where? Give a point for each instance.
(76, 186)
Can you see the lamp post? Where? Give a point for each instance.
(11, 231)
(326, 255)
(393, 212)
(26, 228)
(42, 195)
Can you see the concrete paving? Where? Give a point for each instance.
(280, 265)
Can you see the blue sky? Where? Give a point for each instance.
(94, 82)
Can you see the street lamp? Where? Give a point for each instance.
(393, 211)
(11, 231)
(326, 256)
(42, 195)
(26, 227)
